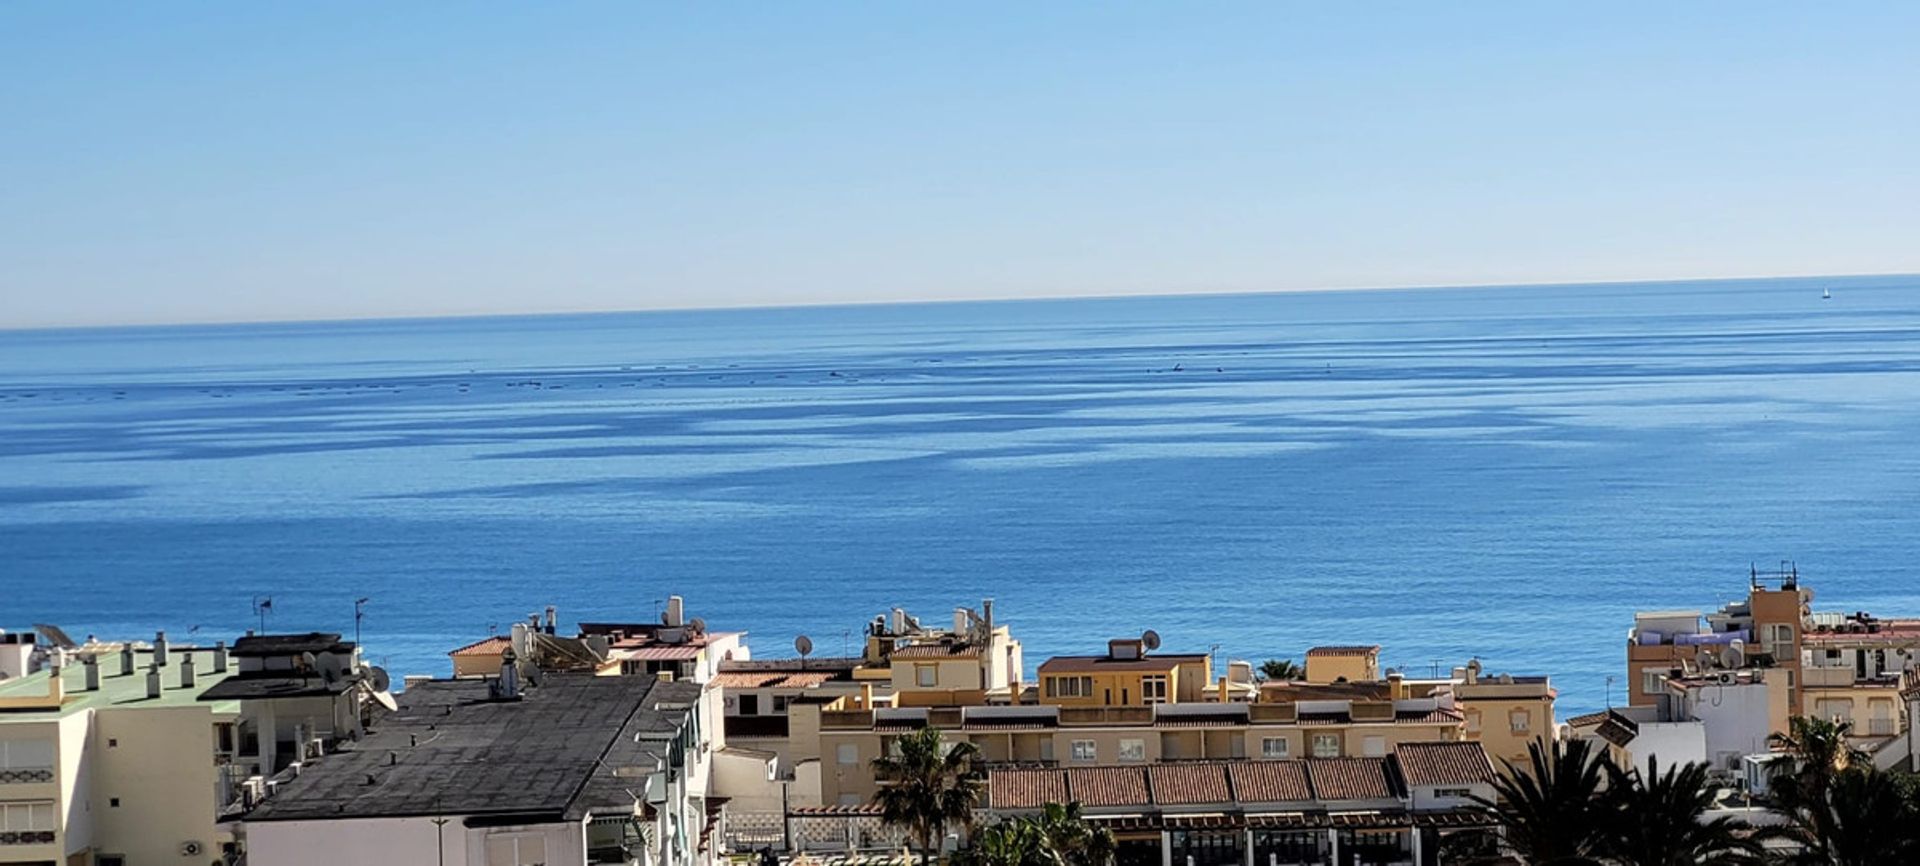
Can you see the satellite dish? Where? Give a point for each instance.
(308, 661)
(803, 645)
(330, 668)
(1733, 658)
(1150, 639)
(378, 679)
(699, 625)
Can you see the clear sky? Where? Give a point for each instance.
(234, 161)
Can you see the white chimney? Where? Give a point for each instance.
(219, 657)
(126, 659)
(153, 681)
(186, 670)
(676, 611)
(509, 676)
(960, 620)
(160, 648)
(553, 619)
(91, 664)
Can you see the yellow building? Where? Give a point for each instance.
(1505, 713)
(1127, 676)
(1352, 664)
(108, 757)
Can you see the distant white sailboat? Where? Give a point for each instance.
(1826, 294)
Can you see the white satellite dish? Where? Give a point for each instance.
(1150, 639)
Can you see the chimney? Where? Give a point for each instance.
(1396, 686)
(153, 681)
(509, 686)
(56, 679)
(91, 664)
(186, 670)
(553, 619)
(960, 620)
(676, 610)
(160, 648)
(1225, 696)
(126, 659)
(219, 657)
(866, 696)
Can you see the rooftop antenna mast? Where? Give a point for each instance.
(262, 605)
(358, 614)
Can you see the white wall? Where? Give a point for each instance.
(394, 842)
(76, 779)
(1736, 717)
(1669, 743)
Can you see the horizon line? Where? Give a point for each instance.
(805, 305)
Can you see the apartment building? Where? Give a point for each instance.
(576, 769)
(1129, 674)
(108, 755)
(1397, 809)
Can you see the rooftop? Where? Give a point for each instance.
(570, 745)
(290, 644)
(1344, 650)
(492, 646)
(1233, 783)
(1095, 664)
(117, 690)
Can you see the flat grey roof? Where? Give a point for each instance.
(449, 750)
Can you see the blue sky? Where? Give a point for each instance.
(229, 161)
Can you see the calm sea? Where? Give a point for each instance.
(1507, 473)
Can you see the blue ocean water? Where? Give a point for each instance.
(1500, 472)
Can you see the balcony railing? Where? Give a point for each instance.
(26, 775)
(26, 837)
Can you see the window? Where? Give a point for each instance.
(1457, 793)
(849, 799)
(1274, 747)
(1133, 750)
(1652, 682)
(780, 703)
(113, 802)
(110, 860)
(27, 817)
(518, 849)
(1153, 689)
(1374, 746)
(1473, 721)
(1069, 687)
(847, 753)
(26, 760)
(1083, 750)
(1046, 749)
(926, 675)
(749, 705)
(1780, 641)
(1520, 721)
(1326, 745)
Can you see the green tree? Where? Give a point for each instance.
(1281, 670)
(1864, 817)
(928, 786)
(1820, 750)
(1072, 839)
(1658, 820)
(1552, 809)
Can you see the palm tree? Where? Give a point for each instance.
(1657, 820)
(927, 786)
(1008, 842)
(1281, 670)
(1820, 751)
(1865, 818)
(1551, 810)
(1073, 840)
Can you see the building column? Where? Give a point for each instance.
(1166, 848)
(1333, 837)
(1415, 830)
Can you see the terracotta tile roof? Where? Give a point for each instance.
(935, 651)
(1443, 763)
(1324, 719)
(1588, 719)
(1438, 716)
(1108, 786)
(1349, 778)
(492, 646)
(1026, 789)
(665, 653)
(1270, 781)
(1222, 720)
(1189, 784)
(770, 679)
(1344, 650)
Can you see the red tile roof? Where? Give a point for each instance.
(1088, 664)
(936, 651)
(1443, 763)
(665, 653)
(1189, 784)
(1026, 789)
(492, 646)
(769, 679)
(1270, 781)
(1108, 786)
(1344, 650)
(1349, 778)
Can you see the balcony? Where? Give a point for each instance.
(1827, 678)
(26, 776)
